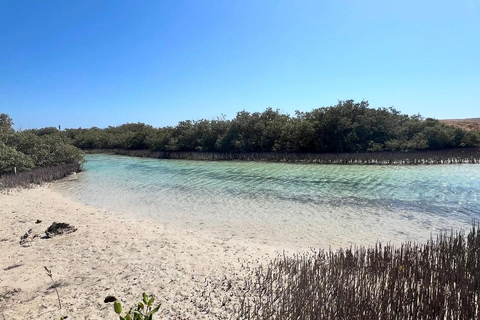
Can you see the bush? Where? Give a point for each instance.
(11, 158)
(47, 150)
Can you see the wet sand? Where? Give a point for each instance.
(194, 275)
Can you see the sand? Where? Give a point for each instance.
(193, 275)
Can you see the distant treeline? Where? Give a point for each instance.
(347, 127)
(48, 156)
(348, 132)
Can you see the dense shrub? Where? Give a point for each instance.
(344, 128)
(26, 150)
(11, 158)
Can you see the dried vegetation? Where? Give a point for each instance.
(436, 280)
(37, 176)
(448, 156)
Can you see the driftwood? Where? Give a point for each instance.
(28, 237)
(55, 229)
(58, 228)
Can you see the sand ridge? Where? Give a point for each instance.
(194, 275)
(470, 124)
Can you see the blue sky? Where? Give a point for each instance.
(100, 63)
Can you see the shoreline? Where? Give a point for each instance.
(194, 276)
(425, 157)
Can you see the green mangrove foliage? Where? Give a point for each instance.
(32, 149)
(348, 127)
(344, 128)
(144, 310)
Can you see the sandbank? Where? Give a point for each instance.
(194, 275)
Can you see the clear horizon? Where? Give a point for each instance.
(89, 63)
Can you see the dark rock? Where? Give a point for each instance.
(109, 299)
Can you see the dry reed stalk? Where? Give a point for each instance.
(436, 280)
(447, 156)
(37, 176)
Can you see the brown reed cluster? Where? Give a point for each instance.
(447, 156)
(436, 280)
(38, 176)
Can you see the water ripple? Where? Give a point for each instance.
(301, 204)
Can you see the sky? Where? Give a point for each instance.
(104, 63)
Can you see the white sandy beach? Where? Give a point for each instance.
(112, 254)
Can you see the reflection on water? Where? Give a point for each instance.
(296, 205)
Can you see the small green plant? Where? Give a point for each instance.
(143, 311)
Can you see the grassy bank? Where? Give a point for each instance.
(38, 176)
(436, 280)
(447, 156)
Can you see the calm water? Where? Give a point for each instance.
(294, 205)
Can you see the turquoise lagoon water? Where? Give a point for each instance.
(292, 205)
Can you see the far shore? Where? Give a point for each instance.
(193, 275)
(425, 157)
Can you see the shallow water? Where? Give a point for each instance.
(291, 205)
